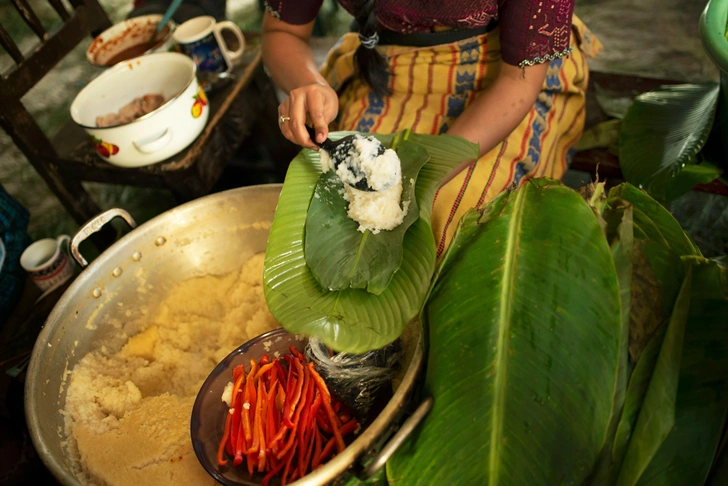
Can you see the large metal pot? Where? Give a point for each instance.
(211, 235)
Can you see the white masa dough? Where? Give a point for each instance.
(379, 209)
(128, 414)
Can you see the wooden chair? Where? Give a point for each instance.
(246, 105)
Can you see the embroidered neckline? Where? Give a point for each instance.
(547, 57)
(274, 13)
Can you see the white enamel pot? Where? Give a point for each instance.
(157, 135)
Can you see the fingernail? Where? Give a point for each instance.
(320, 137)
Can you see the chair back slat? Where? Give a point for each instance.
(30, 18)
(60, 9)
(9, 45)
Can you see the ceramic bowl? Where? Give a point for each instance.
(157, 135)
(129, 39)
(209, 411)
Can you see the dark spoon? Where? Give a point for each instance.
(339, 151)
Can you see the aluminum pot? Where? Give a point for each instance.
(211, 235)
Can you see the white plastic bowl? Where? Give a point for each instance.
(157, 135)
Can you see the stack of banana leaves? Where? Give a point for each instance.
(573, 338)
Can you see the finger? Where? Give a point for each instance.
(298, 121)
(283, 110)
(315, 103)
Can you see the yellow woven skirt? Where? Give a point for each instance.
(432, 86)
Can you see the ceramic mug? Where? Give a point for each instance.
(47, 263)
(201, 39)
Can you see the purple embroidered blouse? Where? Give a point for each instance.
(531, 31)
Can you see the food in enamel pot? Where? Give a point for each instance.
(128, 412)
(131, 111)
(379, 209)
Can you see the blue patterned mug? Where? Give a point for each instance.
(201, 39)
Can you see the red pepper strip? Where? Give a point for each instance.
(348, 427)
(264, 360)
(239, 446)
(276, 469)
(256, 423)
(296, 393)
(296, 421)
(263, 370)
(249, 398)
(270, 421)
(221, 461)
(288, 467)
(302, 469)
(296, 353)
(236, 406)
(262, 412)
(314, 410)
(290, 384)
(327, 450)
(250, 458)
(317, 450)
(237, 371)
(337, 407)
(279, 371)
(326, 397)
(304, 419)
(323, 422)
(294, 474)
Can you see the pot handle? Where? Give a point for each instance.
(94, 225)
(156, 144)
(397, 440)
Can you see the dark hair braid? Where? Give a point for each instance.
(371, 65)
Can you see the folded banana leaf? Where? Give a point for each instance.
(524, 331)
(353, 320)
(337, 253)
(687, 452)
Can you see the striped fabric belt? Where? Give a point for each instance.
(429, 39)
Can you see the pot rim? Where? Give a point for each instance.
(170, 23)
(120, 66)
(322, 475)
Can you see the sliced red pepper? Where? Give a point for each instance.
(326, 398)
(237, 371)
(296, 420)
(221, 461)
(279, 371)
(323, 422)
(275, 470)
(262, 413)
(308, 450)
(296, 394)
(263, 370)
(317, 450)
(236, 405)
(296, 353)
(264, 360)
(288, 461)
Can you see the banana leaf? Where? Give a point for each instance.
(524, 331)
(657, 414)
(670, 229)
(621, 239)
(337, 253)
(686, 454)
(353, 320)
(662, 133)
(657, 271)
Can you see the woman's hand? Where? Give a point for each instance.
(316, 102)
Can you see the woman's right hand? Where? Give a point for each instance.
(315, 102)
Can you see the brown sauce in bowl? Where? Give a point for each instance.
(137, 50)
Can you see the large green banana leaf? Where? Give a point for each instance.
(621, 239)
(662, 134)
(686, 455)
(353, 320)
(657, 413)
(524, 331)
(658, 273)
(337, 253)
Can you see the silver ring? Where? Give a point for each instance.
(283, 118)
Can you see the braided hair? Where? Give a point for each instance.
(372, 67)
